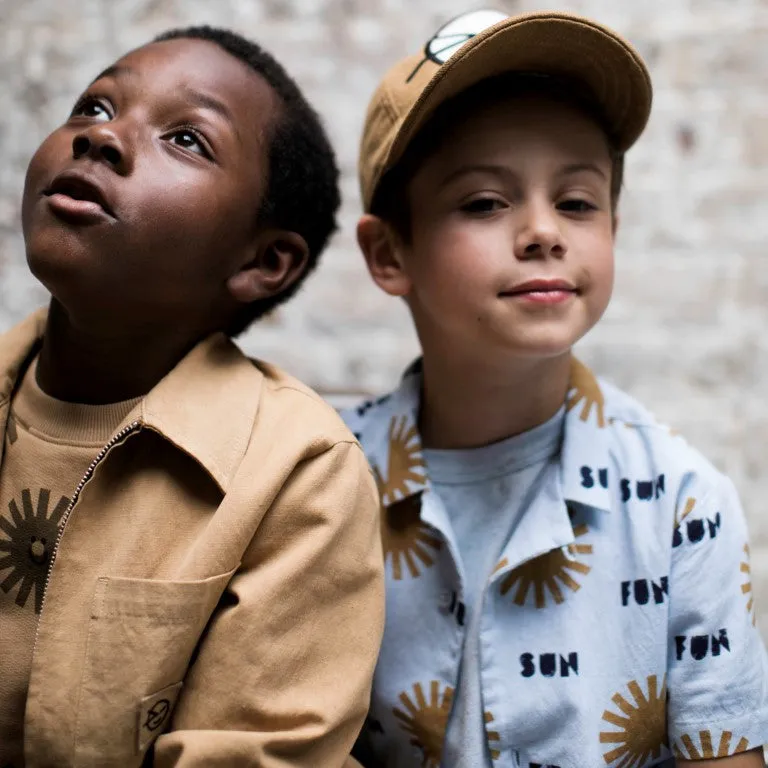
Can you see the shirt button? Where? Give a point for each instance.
(37, 551)
(445, 600)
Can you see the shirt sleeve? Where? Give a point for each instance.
(283, 675)
(718, 668)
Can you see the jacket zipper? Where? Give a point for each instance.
(123, 433)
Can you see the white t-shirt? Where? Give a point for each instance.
(485, 492)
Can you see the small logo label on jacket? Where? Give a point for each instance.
(155, 713)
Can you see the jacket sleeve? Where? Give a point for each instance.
(283, 675)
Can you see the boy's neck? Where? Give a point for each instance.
(90, 365)
(467, 407)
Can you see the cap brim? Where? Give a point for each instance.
(551, 44)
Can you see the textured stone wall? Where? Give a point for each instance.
(686, 330)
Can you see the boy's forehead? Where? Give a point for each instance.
(197, 66)
(193, 58)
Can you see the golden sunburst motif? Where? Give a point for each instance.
(583, 386)
(426, 721)
(29, 543)
(405, 463)
(687, 749)
(405, 537)
(643, 725)
(746, 587)
(548, 571)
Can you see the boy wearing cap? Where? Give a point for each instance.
(567, 581)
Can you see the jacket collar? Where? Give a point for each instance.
(206, 405)
(392, 442)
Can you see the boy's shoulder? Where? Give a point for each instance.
(636, 429)
(240, 417)
(291, 404)
(16, 344)
(643, 459)
(607, 432)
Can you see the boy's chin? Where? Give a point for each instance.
(56, 267)
(542, 351)
(68, 274)
(541, 348)
(554, 339)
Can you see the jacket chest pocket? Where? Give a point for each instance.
(141, 637)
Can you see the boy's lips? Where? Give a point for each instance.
(77, 197)
(542, 291)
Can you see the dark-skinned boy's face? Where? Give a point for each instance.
(139, 208)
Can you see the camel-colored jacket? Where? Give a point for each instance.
(216, 595)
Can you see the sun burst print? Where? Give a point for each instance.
(405, 463)
(405, 538)
(643, 725)
(548, 573)
(746, 587)
(27, 538)
(583, 387)
(426, 721)
(687, 749)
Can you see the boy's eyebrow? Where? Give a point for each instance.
(116, 70)
(572, 168)
(207, 101)
(496, 170)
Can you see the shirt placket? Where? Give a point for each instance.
(545, 527)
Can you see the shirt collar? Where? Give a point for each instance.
(206, 405)
(393, 444)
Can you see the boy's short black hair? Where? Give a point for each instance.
(391, 201)
(302, 192)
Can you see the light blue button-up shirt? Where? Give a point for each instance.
(618, 627)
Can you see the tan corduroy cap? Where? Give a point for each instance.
(481, 44)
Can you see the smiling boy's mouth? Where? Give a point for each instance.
(542, 291)
(74, 196)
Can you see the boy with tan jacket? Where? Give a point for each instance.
(190, 567)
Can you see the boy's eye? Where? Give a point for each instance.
(576, 206)
(91, 108)
(189, 140)
(482, 205)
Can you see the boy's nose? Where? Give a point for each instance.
(540, 237)
(102, 146)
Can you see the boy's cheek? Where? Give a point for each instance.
(43, 166)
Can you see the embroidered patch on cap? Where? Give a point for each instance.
(451, 36)
(155, 713)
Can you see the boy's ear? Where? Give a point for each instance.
(383, 255)
(281, 259)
